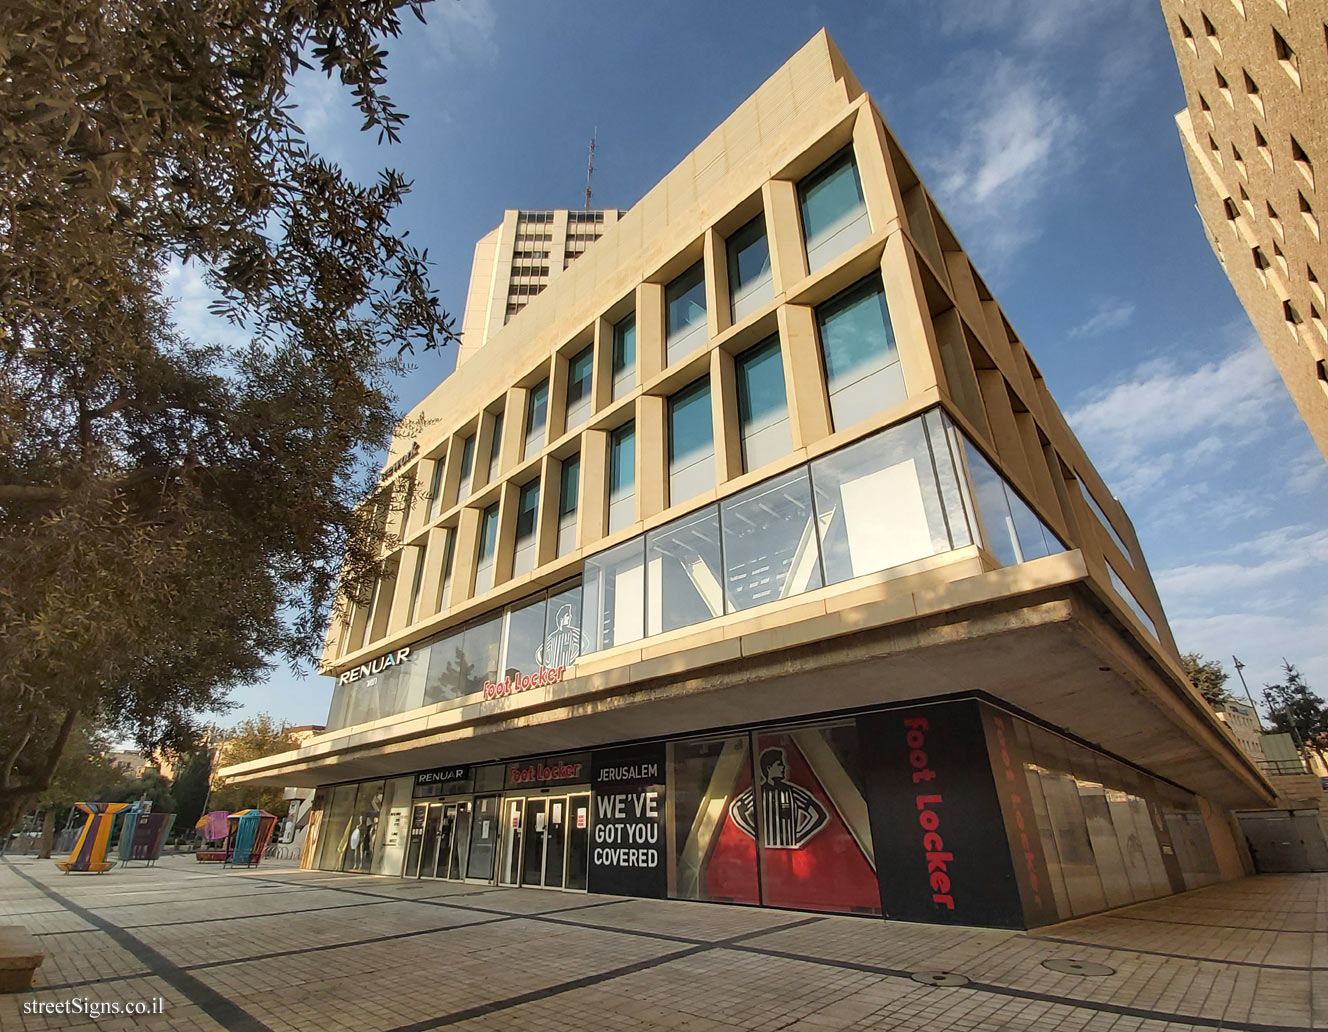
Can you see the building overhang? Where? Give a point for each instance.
(1038, 636)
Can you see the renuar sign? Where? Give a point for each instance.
(374, 666)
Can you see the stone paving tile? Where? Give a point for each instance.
(321, 951)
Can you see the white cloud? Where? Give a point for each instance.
(1111, 314)
(460, 30)
(190, 296)
(1138, 428)
(1012, 136)
(1032, 24)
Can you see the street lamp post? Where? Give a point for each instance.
(1240, 671)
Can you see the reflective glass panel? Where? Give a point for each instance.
(447, 661)
(770, 549)
(685, 313)
(613, 601)
(467, 465)
(486, 548)
(878, 505)
(714, 858)
(394, 826)
(683, 573)
(363, 829)
(750, 282)
(579, 369)
(537, 416)
(762, 405)
(568, 489)
(524, 639)
(691, 442)
(862, 370)
(622, 477)
(527, 510)
(562, 628)
(335, 828)
(624, 356)
(834, 213)
(481, 645)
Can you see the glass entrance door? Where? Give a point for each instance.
(429, 841)
(446, 834)
(511, 871)
(545, 841)
(415, 847)
(537, 829)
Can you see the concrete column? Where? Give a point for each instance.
(601, 377)
(514, 431)
(408, 559)
(724, 410)
(505, 546)
(451, 485)
(652, 456)
(783, 227)
(919, 357)
(435, 551)
(463, 555)
(1043, 488)
(555, 423)
(650, 360)
(546, 520)
(875, 169)
(804, 382)
(719, 313)
(1000, 417)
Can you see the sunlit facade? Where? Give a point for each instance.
(752, 561)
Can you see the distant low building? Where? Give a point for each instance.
(1244, 724)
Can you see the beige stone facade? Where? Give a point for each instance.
(1255, 135)
(946, 536)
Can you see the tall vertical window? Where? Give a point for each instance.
(834, 214)
(622, 477)
(487, 549)
(435, 489)
(465, 485)
(416, 581)
(762, 405)
(537, 418)
(685, 313)
(691, 442)
(527, 512)
(445, 579)
(624, 356)
(861, 361)
(568, 487)
(750, 282)
(495, 448)
(579, 370)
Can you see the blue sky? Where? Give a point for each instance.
(1046, 134)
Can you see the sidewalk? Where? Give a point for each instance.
(280, 949)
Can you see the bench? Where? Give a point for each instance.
(20, 956)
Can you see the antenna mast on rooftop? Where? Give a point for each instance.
(590, 166)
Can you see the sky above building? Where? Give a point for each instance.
(1046, 134)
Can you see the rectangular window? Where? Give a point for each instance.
(613, 600)
(691, 442)
(579, 370)
(486, 550)
(445, 580)
(1012, 531)
(770, 548)
(622, 477)
(568, 488)
(467, 467)
(480, 645)
(750, 282)
(523, 637)
(416, 580)
(527, 513)
(624, 356)
(879, 505)
(862, 368)
(1102, 519)
(495, 449)
(683, 576)
(435, 490)
(685, 313)
(834, 213)
(762, 405)
(537, 415)
(562, 628)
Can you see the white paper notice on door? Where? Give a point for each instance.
(539, 821)
(484, 828)
(557, 816)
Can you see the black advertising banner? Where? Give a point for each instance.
(941, 851)
(627, 851)
(1021, 830)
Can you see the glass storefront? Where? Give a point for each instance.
(953, 811)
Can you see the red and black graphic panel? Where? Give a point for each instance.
(941, 851)
(712, 857)
(809, 815)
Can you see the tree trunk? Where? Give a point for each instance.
(11, 809)
(47, 839)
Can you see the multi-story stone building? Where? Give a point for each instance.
(1255, 136)
(754, 562)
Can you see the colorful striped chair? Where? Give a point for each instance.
(89, 853)
(250, 833)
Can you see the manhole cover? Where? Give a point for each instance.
(938, 978)
(1078, 967)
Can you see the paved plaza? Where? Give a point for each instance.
(280, 949)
